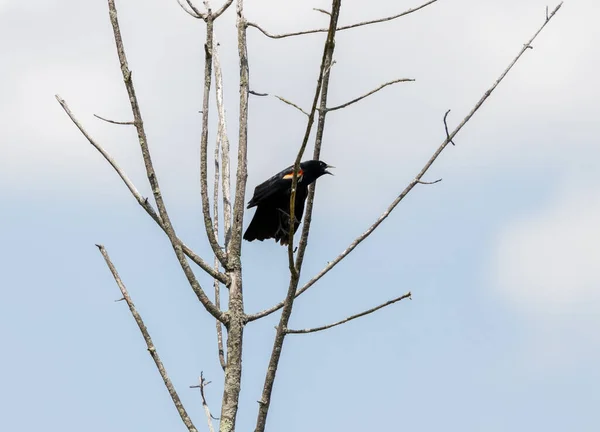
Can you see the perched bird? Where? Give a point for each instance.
(272, 202)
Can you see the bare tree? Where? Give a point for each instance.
(226, 269)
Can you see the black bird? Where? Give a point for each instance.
(272, 202)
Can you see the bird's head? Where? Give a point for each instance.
(313, 169)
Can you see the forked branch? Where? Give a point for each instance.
(193, 11)
(350, 318)
(138, 196)
(152, 178)
(414, 182)
(346, 27)
(151, 348)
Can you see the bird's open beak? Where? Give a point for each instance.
(327, 172)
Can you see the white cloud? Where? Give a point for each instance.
(548, 261)
(545, 266)
(535, 112)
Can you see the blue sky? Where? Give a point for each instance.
(501, 256)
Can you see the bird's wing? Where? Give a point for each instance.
(278, 183)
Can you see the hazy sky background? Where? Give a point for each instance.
(501, 256)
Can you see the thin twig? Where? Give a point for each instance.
(265, 400)
(138, 196)
(292, 104)
(446, 128)
(429, 183)
(282, 99)
(114, 122)
(202, 383)
(151, 348)
(409, 187)
(252, 92)
(151, 174)
(324, 30)
(382, 86)
(350, 318)
(323, 11)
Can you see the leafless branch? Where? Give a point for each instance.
(369, 93)
(324, 30)
(223, 141)
(216, 283)
(321, 91)
(282, 99)
(350, 318)
(223, 8)
(216, 264)
(188, 10)
(302, 245)
(241, 173)
(113, 121)
(196, 10)
(446, 127)
(151, 348)
(255, 93)
(429, 183)
(221, 351)
(323, 11)
(209, 417)
(208, 222)
(265, 400)
(426, 167)
(328, 68)
(235, 326)
(409, 187)
(138, 197)
(152, 178)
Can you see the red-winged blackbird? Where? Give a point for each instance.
(272, 201)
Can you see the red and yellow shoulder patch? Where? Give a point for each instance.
(290, 176)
